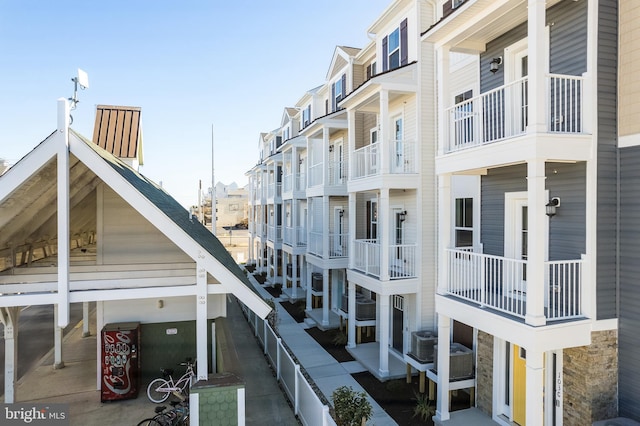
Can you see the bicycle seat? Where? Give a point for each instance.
(160, 409)
(167, 371)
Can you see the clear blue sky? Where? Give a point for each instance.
(188, 64)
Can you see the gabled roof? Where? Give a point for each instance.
(27, 188)
(341, 57)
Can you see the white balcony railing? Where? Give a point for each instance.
(337, 173)
(401, 159)
(314, 245)
(338, 245)
(500, 283)
(302, 236)
(402, 259)
(502, 113)
(274, 190)
(274, 233)
(287, 183)
(287, 235)
(301, 182)
(315, 175)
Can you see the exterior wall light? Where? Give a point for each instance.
(402, 215)
(494, 65)
(552, 205)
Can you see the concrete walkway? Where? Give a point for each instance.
(327, 373)
(76, 383)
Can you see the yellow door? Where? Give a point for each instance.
(519, 385)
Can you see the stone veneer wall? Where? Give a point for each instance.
(484, 372)
(590, 376)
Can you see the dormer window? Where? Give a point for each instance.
(306, 116)
(394, 48)
(338, 90)
(371, 70)
(285, 134)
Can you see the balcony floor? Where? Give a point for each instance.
(368, 354)
(470, 416)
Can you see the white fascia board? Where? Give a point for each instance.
(27, 166)
(165, 225)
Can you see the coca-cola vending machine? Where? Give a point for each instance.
(120, 361)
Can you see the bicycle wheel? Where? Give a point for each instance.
(155, 395)
(149, 422)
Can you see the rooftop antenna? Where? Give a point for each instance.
(82, 80)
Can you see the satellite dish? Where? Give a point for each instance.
(82, 79)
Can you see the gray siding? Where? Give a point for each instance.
(629, 323)
(566, 229)
(567, 44)
(607, 159)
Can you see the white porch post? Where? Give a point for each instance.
(536, 69)
(537, 242)
(202, 371)
(351, 329)
(325, 297)
(283, 263)
(63, 212)
(58, 362)
(352, 229)
(351, 141)
(309, 288)
(9, 317)
(444, 330)
(384, 233)
(535, 387)
(325, 156)
(443, 96)
(444, 240)
(294, 274)
(85, 320)
(384, 320)
(384, 143)
(325, 226)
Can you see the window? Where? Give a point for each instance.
(338, 91)
(394, 48)
(285, 134)
(464, 222)
(306, 116)
(463, 118)
(371, 70)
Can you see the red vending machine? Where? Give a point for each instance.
(120, 361)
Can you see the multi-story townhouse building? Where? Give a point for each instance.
(540, 283)
(391, 190)
(294, 204)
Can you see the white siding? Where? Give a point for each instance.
(173, 309)
(129, 238)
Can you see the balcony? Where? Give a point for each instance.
(336, 174)
(401, 159)
(290, 232)
(500, 283)
(293, 182)
(401, 264)
(502, 113)
(338, 245)
(274, 190)
(274, 233)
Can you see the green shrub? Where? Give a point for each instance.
(423, 409)
(352, 408)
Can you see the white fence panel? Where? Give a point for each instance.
(288, 373)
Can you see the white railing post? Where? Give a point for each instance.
(296, 403)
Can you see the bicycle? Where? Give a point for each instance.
(159, 389)
(177, 416)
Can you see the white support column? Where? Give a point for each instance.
(63, 212)
(537, 234)
(99, 327)
(58, 362)
(283, 264)
(325, 226)
(85, 320)
(536, 66)
(325, 156)
(442, 64)
(384, 233)
(535, 387)
(294, 274)
(309, 289)
(351, 216)
(383, 321)
(444, 345)
(351, 141)
(325, 297)
(9, 317)
(351, 329)
(444, 234)
(384, 145)
(202, 330)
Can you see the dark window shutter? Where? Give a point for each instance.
(309, 114)
(385, 54)
(326, 107)
(368, 71)
(333, 97)
(404, 54)
(344, 86)
(368, 220)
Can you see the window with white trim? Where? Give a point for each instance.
(464, 222)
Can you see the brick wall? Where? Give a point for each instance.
(590, 380)
(484, 372)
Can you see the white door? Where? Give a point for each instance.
(339, 240)
(399, 148)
